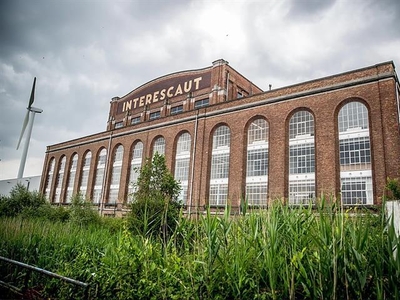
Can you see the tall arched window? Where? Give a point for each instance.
(49, 177)
(115, 175)
(355, 154)
(59, 180)
(220, 166)
(136, 164)
(87, 158)
(301, 158)
(257, 163)
(98, 183)
(159, 146)
(182, 162)
(71, 178)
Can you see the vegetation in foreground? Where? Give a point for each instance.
(280, 253)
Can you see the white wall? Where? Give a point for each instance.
(32, 182)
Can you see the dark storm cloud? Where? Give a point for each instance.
(305, 9)
(85, 52)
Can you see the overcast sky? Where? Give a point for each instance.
(84, 52)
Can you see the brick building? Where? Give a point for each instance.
(226, 140)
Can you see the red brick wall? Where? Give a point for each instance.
(374, 86)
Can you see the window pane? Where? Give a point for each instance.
(301, 158)
(159, 146)
(59, 180)
(355, 154)
(201, 103)
(353, 115)
(155, 115)
(98, 185)
(116, 175)
(71, 178)
(176, 110)
(301, 123)
(256, 193)
(301, 191)
(85, 172)
(220, 166)
(182, 162)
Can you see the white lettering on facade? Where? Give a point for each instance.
(148, 98)
(178, 90)
(156, 96)
(169, 91)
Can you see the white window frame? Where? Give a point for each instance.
(302, 164)
(115, 175)
(159, 146)
(353, 124)
(219, 172)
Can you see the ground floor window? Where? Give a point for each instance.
(301, 189)
(356, 190)
(218, 194)
(182, 198)
(97, 195)
(113, 195)
(256, 192)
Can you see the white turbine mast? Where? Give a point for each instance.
(29, 118)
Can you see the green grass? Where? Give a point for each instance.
(279, 253)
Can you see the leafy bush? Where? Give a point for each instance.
(81, 211)
(279, 253)
(47, 211)
(154, 209)
(393, 189)
(20, 198)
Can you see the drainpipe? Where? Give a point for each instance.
(397, 91)
(105, 175)
(193, 159)
(227, 86)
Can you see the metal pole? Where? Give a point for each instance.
(26, 146)
(193, 160)
(105, 177)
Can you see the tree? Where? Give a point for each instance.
(155, 209)
(20, 199)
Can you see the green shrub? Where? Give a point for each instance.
(82, 212)
(393, 189)
(20, 198)
(154, 209)
(47, 211)
(279, 253)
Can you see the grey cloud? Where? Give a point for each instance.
(305, 9)
(85, 52)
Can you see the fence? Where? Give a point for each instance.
(31, 269)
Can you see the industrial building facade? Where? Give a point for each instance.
(226, 140)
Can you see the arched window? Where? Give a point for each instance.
(257, 163)
(98, 183)
(301, 158)
(159, 146)
(59, 180)
(136, 164)
(85, 172)
(71, 178)
(49, 177)
(115, 175)
(355, 154)
(182, 162)
(220, 166)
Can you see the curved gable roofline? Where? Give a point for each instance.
(166, 77)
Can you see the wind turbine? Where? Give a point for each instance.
(30, 111)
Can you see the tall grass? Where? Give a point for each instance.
(321, 252)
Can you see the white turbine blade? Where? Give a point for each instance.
(23, 128)
(32, 98)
